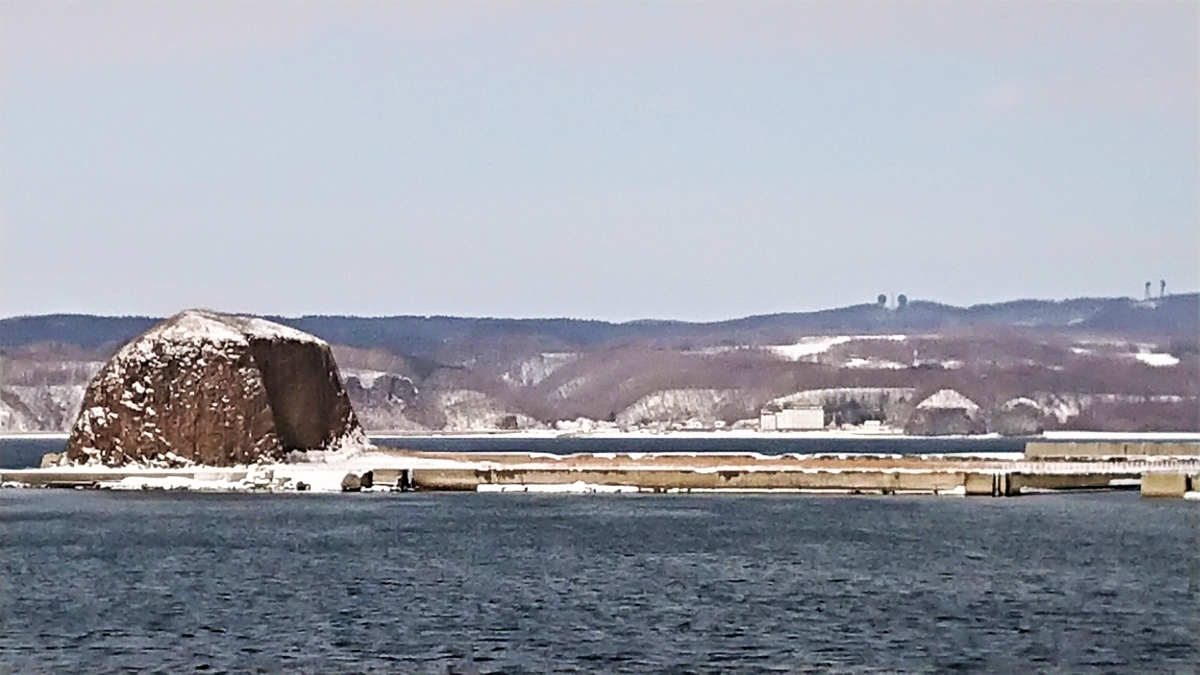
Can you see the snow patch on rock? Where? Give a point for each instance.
(366, 378)
(948, 399)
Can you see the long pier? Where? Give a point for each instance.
(862, 474)
(1043, 467)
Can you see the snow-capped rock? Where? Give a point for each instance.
(946, 412)
(948, 399)
(217, 390)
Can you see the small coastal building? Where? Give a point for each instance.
(805, 418)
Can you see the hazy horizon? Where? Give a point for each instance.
(676, 161)
(890, 304)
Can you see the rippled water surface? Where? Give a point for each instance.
(174, 582)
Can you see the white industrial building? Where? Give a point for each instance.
(792, 419)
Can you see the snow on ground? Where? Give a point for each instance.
(39, 407)
(366, 378)
(532, 371)
(583, 426)
(469, 409)
(566, 389)
(809, 347)
(1157, 360)
(876, 364)
(682, 404)
(1121, 436)
(872, 396)
(1065, 405)
(317, 476)
(574, 429)
(1145, 352)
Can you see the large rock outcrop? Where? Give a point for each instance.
(946, 413)
(1018, 417)
(214, 389)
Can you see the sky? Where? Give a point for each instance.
(616, 160)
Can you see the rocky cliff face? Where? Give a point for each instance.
(213, 389)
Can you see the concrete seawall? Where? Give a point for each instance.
(1168, 484)
(663, 480)
(989, 474)
(1002, 474)
(1042, 449)
(994, 484)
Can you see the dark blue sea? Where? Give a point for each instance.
(429, 583)
(169, 582)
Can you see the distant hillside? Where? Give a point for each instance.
(1174, 318)
(1101, 364)
(83, 330)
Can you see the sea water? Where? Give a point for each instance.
(93, 581)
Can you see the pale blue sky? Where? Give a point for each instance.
(600, 160)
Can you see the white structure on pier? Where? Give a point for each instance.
(806, 418)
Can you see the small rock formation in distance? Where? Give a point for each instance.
(217, 390)
(946, 413)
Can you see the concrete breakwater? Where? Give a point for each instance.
(998, 474)
(863, 474)
(1095, 449)
(732, 480)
